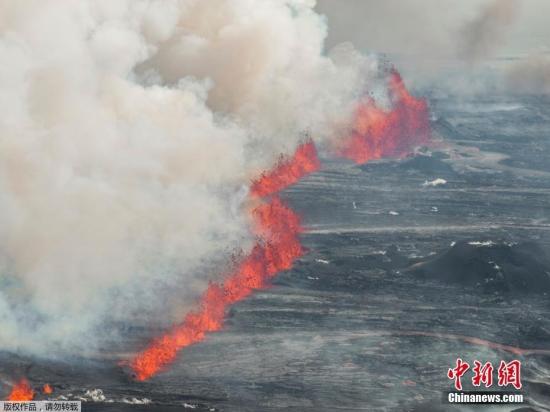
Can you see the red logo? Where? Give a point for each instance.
(509, 373)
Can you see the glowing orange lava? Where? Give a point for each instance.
(277, 228)
(47, 389)
(288, 171)
(381, 133)
(21, 391)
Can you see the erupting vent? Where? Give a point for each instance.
(381, 133)
(288, 171)
(21, 391)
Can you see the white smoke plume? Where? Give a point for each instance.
(129, 131)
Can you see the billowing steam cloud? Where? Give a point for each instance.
(129, 131)
(481, 37)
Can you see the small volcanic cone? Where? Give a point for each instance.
(277, 228)
(21, 391)
(288, 171)
(380, 133)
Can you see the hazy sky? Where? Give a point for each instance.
(431, 28)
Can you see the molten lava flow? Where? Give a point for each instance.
(21, 391)
(288, 171)
(277, 228)
(380, 133)
(47, 389)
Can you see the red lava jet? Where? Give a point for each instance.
(21, 391)
(287, 171)
(277, 228)
(378, 132)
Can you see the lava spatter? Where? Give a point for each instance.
(378, 132)
(21, 391)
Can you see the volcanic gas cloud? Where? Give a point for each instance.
(123, 155)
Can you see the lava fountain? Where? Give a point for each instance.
(21, 391)
(288, 171)
(378, 132)
(277, 228)
(47, 389)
